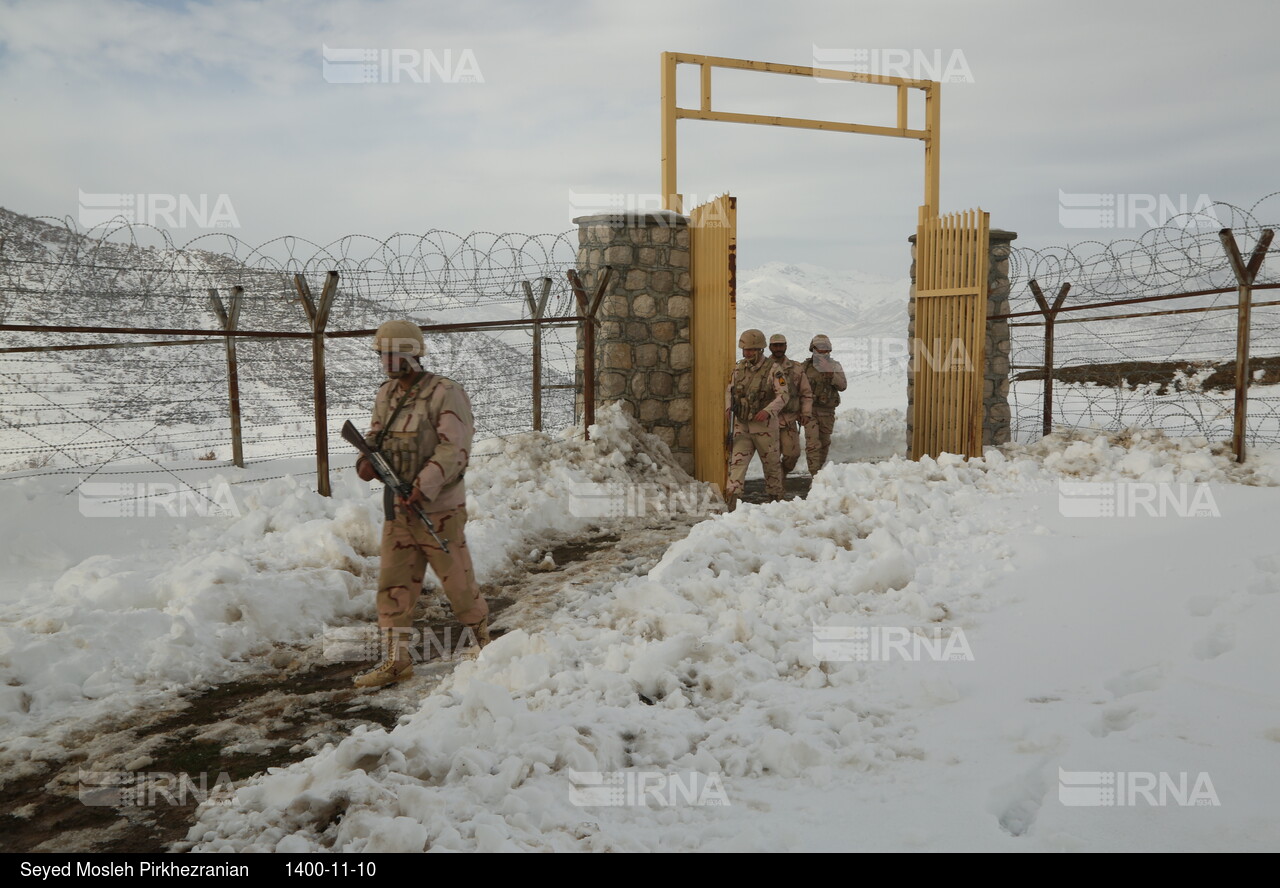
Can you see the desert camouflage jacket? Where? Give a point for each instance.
(431, 438)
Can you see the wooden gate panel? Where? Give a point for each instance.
(951, 331)
(713, 229)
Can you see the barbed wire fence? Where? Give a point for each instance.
(1146, 332)
(77, 399)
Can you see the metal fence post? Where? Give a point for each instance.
(1050, 313)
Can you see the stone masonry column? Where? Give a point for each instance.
(644, 354)
(995, 384)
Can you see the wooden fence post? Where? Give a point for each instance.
(536, 311)
(230, 318)
(588, 308)
(1050, 313)
(319, 317)
(1245, 276)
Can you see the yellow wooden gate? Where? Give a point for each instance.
(947, 353)
(713, 231)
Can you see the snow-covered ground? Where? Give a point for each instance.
(119, 593)
(1136, 647)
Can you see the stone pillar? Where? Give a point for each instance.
(644, 354)
(996, 418)
(995, 384)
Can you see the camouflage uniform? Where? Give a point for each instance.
(826, 397)
(755, 386)
(430, 440)
(797, 411)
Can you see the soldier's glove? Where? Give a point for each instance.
(364, 469)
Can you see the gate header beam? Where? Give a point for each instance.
(671, 113)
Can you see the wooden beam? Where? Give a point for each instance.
(685, 58)
(800, 123)
(670, 196)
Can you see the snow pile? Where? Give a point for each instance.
(861, 434)
(531, 488)
(1149, 456)
(707, 666)
(114, 632)
(188, 602)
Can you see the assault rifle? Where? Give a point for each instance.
(387, 476)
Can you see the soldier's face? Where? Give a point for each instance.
(778, 349)
(396, 365)
(751, 354)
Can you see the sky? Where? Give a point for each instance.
(1066, 123)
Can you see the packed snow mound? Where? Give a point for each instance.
(532, 487)
(1147, 455)
(706, 665)
(195, 602)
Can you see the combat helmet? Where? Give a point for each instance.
(404, 337)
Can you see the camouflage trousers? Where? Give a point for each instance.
(748, 440)
(789, 438)
(408, 549)
(817, 437)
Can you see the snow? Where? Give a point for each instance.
(1130, 645)
(99, 617)
(1106, 645)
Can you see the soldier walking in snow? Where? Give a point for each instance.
(422, 423)
(756, 394)
(799, 407)
(826, 378)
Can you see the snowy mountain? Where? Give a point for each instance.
(84, 406)
(800, 301)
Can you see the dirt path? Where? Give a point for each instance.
(299, 701)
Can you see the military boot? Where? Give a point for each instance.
(480, 638)
(391, 669)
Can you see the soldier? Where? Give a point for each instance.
(826, 378)
(799, 407)
(423, 424)
(756, 394)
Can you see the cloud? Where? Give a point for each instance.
(230, 97)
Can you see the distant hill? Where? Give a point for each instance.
(87, 406)
(800, 301)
